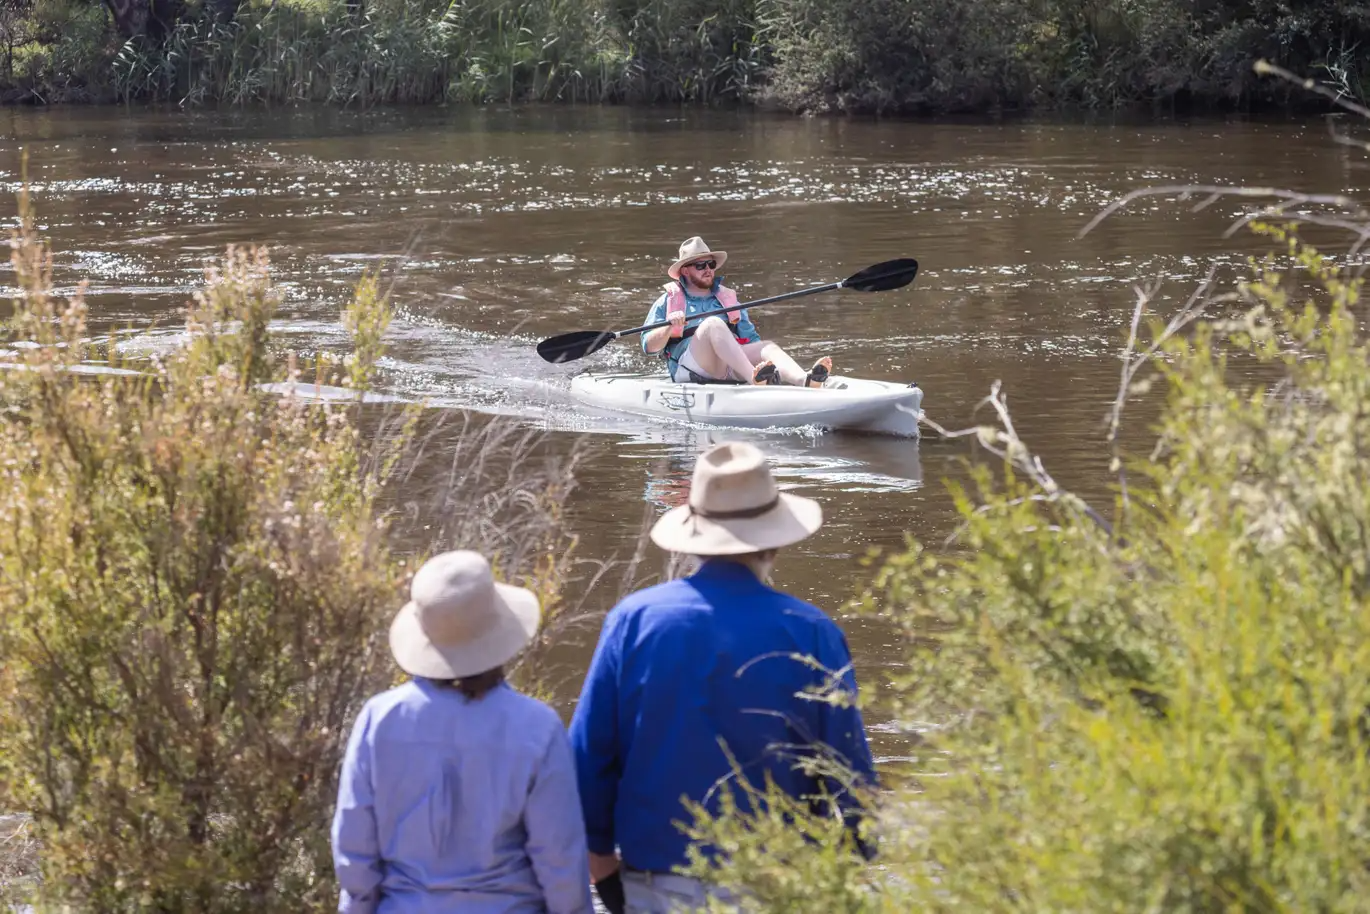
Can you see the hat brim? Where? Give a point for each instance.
(518, 614)
(720, 256)
(792, 519)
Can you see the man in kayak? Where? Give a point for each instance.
(712, 349)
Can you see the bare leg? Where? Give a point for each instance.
(719, 353)
(789, 369)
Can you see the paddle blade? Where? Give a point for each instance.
(892, 274)
(571, 346)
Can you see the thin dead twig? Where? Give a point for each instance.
(1133, 363)
(1214, 193)
(1006, 444)
(1288, 198)
(1266, 68)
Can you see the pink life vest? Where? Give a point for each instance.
(675, 304)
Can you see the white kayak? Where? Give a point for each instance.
(849, 404)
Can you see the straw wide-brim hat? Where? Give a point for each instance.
(459, 621)
(693, 249)
(735, 508)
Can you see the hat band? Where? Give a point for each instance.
(739, 514)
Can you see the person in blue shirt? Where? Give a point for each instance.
(696, 675)
(701, 350)
(457, 792)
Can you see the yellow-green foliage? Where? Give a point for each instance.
(1169, 714)
(196, 578)
(193, 587)
(795, 857)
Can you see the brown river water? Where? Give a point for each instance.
(501, 227)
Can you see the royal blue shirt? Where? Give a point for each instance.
(447, 804)
(683, 666)
(694, 305)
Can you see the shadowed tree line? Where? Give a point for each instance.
(855, 56)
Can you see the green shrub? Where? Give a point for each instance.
(890, 56)
(196, 579)
(1164, 709)
(691, 50)
(55, 51)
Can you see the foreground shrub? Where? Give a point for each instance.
(1222, 764)
(196, 578)
(1161, 709)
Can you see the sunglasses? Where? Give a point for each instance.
(704, 264)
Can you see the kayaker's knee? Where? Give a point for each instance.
(713, 331)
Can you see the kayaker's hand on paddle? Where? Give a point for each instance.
(657, 338)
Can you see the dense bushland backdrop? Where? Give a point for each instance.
(882, 56)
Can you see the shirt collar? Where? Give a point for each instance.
(435, 686)
(721, 569)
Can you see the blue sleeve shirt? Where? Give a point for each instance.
(448, 804)
(694, 305)
(683, 670)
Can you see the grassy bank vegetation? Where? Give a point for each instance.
(912, 56)
(1159, 704)
(196, 577)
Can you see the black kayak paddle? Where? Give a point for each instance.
(881, 277)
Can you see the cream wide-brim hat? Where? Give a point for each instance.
(735, 508)
(693, 249)
(459, 621)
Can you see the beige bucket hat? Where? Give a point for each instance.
(459, 621)
(693, 249)
(735, 508)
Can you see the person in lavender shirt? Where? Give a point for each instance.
(458, 793)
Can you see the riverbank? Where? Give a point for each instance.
(803, 56)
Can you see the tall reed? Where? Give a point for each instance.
(412, 52)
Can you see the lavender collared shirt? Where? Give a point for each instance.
(449, 805)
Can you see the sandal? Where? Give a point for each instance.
(767, 374)
(818, 373)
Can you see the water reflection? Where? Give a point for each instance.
(831, 461)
